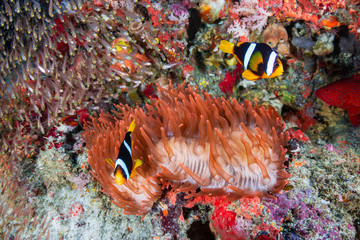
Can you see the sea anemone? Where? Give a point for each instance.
(193, 142)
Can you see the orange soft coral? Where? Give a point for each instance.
(194, 142)
(308, 10)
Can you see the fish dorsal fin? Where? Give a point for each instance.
(249, 75)
(255, 60)
(226, 46)
(131, 129)
(132, 126)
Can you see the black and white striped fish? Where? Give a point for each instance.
(258, 59)
(124, 167)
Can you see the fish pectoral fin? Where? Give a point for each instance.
(110, 162)
(226, 46)
(132, 173)
(249, 75)
(138, 163)
(255, 61)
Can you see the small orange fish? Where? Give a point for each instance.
(124, 168)
(258, 59)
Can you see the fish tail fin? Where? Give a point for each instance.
(132, 126)
(226, 46)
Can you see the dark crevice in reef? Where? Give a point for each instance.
(357, 227)
(200, 231)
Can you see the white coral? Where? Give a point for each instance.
(117, 4)
(245, 8)
(238, 29)
(251, 18)
(181, 18)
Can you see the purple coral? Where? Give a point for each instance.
(179, 13)
(301, 219)
(170, 214)
(331, 148)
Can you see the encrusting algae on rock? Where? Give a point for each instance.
(190, 142)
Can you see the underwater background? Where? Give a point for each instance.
(62, 63)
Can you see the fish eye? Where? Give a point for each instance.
(270, 43)
(282, 40)
(326, 89)
(276, 64)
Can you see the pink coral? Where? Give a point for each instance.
(75, 210)
(354, 25)
(251, 17)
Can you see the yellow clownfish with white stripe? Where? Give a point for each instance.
(124, 168)
(258, 59)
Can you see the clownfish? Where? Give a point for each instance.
(258, 59)
(124, 168)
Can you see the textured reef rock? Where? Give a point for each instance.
(191, 142)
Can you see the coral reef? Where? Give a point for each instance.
(219, 146)
(276, 36)
(63, 61)
(18, 214)
(316, 12)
